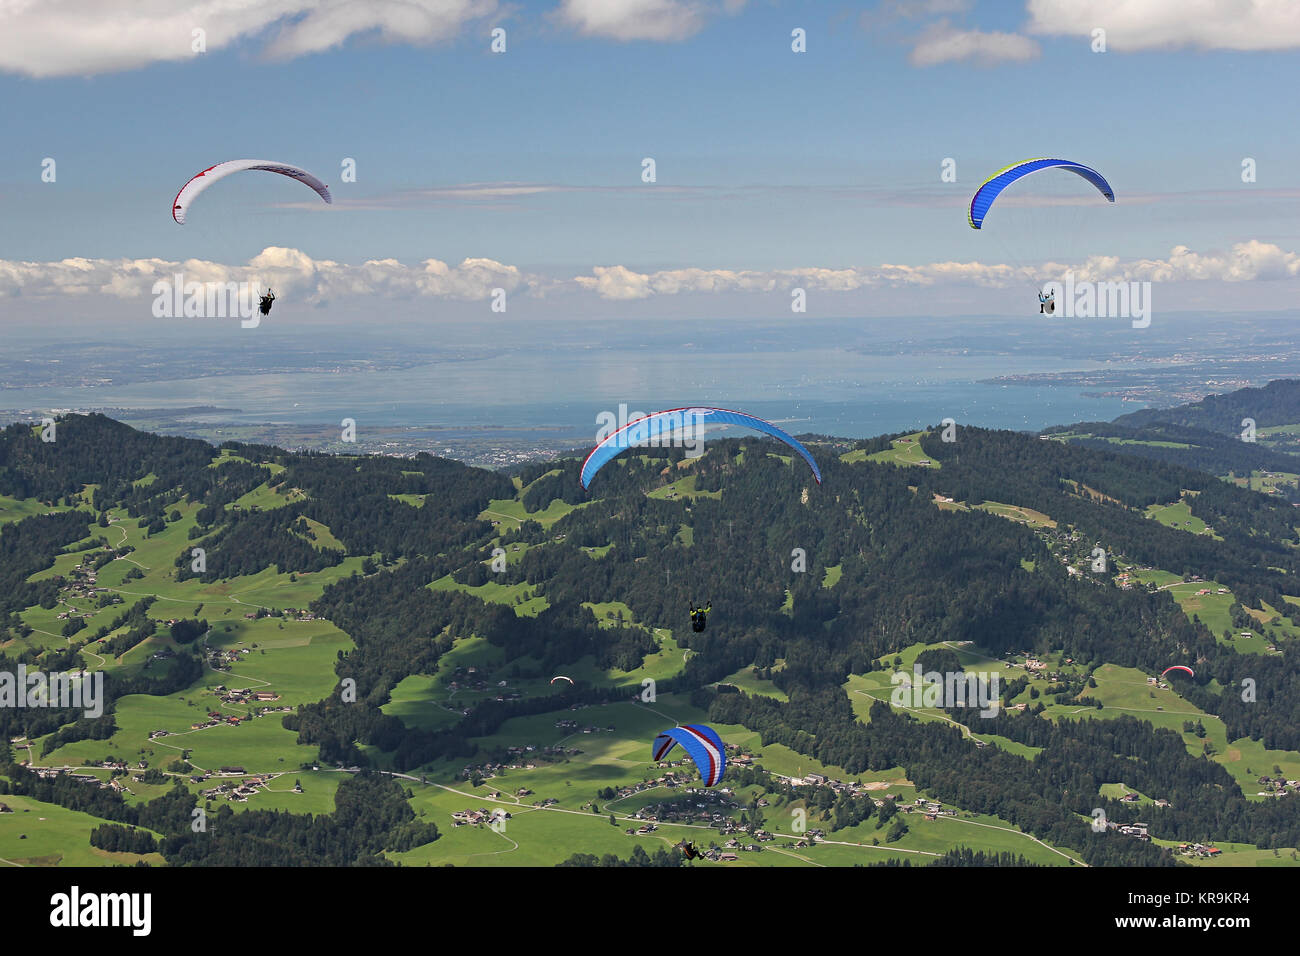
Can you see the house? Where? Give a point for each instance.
(728, 857)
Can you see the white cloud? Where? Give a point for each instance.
(1153, 24)
(1245, 262)
(662, 20)
(287, 270)
(84, 37)
(330, 22)
(946, 44)
(317, 281)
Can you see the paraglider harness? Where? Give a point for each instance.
(698, 619)
(265, 306)
(1047, 303)
(688, 850)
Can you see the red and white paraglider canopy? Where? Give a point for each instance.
(190, 191)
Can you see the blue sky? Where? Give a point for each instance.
(766, 159)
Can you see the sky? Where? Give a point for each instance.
(523, 169)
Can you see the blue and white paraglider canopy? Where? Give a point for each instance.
(702, 743)
(653, 428)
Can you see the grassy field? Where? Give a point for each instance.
(509, 513)
(746, 681)
(44, 834)
(902, 451)
(16, 509)
(537, 835)
(519, 596)
(1126, 691)
(1267, 482)
(1212, 609)
(292, 659)
(1179, 515)
(1035, 519)
(683, 487)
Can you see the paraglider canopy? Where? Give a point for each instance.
(561, 677)
(992, 187)
(190, 191)
(653, 429)
(1178, 667)
(702, 743)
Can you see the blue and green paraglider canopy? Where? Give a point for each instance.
(992, 187)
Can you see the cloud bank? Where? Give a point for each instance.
(318, 281)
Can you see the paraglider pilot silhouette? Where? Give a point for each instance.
(267, 300)
(1047, 303)
(698, 619)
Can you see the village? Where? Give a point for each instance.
(1277, 786)
(237, 792)
(491, 769)
(236, 697)
(82, 585)
(289, 614)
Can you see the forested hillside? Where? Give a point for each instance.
(340, 660)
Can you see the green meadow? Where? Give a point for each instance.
(44, 834)
(902, 451)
